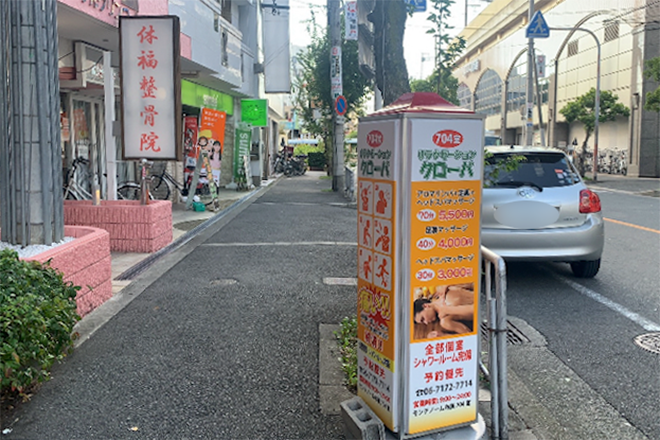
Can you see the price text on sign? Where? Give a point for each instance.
(458, 214)
(455, 242)
(458, 272)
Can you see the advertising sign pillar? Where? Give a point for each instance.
(420, 164)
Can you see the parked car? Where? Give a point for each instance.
(541, 211)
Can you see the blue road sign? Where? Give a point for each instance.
(341, 105)
(419, 5)
(538, 27)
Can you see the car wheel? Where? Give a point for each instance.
(585, 269)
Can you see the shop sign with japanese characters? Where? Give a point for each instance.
(150, 87)
(377, 375)
(444, 272)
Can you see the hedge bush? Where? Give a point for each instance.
(316, 160)
(37, 315)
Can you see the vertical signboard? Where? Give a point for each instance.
(446, 161)
(150, 87)
(242, 145)
(377, 268)
(350, 21)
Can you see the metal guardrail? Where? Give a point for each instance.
(494, 287)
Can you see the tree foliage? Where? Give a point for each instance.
(312, 89)
(652, 71)
(442, 81)
(583, 110)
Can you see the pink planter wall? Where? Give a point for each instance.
(85, 262)
(132, 227)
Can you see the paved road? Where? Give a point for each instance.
(222, 343)
(590, 324)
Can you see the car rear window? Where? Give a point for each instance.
(546, 170)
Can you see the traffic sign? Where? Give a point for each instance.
(418, 5)
(538, 27)
(341, 105)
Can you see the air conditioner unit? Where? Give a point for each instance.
(88, 65)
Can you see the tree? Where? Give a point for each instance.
(389, 20)
(652, 71)
(311, 87)
(583, 110)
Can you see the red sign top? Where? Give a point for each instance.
(420, 102)
(375, 138)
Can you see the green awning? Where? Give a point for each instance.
(198, 96)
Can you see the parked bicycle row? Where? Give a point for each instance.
(78, 185)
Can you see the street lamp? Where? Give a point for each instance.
(597, 105)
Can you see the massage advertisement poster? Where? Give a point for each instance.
(446, 160)
(377, 267)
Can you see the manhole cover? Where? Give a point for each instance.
(649, 342)
(513, 335)
(224, 282)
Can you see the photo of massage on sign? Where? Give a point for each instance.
(443, 310)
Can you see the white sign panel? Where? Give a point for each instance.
(351, 21)
(377, 269)
(150, 87)
(277, 59)
(448, 150)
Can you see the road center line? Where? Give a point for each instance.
(634, 317)
(618, 222)
(284, 243)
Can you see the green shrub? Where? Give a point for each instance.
(37, 315)
(316, 160)
(307, 149)
(347, 340)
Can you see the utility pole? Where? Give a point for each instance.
(529, 122)
(336, 91)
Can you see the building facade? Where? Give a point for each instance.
(492, 73)
(222, 58)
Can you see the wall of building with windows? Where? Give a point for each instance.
(496, 46)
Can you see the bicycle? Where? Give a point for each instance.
(78, 180)
(159, 185)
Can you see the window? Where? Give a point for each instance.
(546, 170)
(216, 22)
(573, 48)
(224, 54)
(464, 95)
(611, 30)
(226, 10)
(488, 96)
(516, 87)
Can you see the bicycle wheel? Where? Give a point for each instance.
(128, 191)
(158, 188)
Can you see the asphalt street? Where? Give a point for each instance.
(222, 341)
(590, 325)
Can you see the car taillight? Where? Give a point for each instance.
(589, 201)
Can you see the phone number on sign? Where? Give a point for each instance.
(456, 272)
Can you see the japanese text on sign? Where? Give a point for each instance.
(149, 103)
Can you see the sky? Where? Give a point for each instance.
(418, 45)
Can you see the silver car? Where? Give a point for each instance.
(541, 210)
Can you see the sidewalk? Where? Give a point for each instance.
(183, 221)
(642, 186)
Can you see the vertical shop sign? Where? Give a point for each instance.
(242, 145)
(150, 87)
(351, 21)
(444, 272)
(212, 126)
(420, 165)
(377, 268)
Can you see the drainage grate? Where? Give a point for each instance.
(649, 342)
(513, 335)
